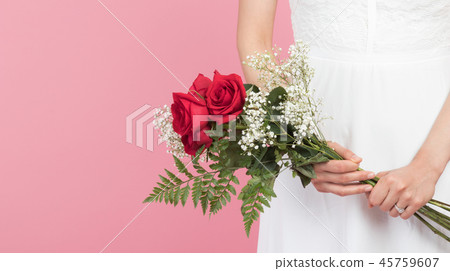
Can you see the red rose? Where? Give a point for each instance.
(194, 140)
(200, 85)
(184, 107)
(225, 96)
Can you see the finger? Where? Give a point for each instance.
(379, 193)
(389, 202)
(382, 173)
(348, 177)
(367, 196)
(394, 212)
(410, 208)
(337, 166)
(343, 190)
(409, 211)
(344, 152)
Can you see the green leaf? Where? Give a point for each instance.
(176, 196)
(216, 166)
(227, 196)
(232, 156)
(213, 157)
(276, 96)
(251, 87)
(173, 177)
(241, 196)
(223, 144)
(208, 176)
(248, 201)
(171, 195)
(204, 203)
(244, 209)
(307, 170)
(215, 206)
(200, 169)
(259, 207)
(185, 194)
(196, 193)
(164, 180)
(166, 197)
(198, 152)
(231, 189)
(225, 173)
(268, 192)
(181, 167)
(210, 195)
(149, 198)
(264, 201)
(305, 180)
(319, 158)
(266, 161)
(162, 185)
(234, 179)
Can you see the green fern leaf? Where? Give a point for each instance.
(181, 167)
(185, 194)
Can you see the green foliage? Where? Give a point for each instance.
(170, 190)
(264, 163)
(212, 185)
(212, 188)
(181, 167)
(276, 96)
(251, 87)
(254, 195)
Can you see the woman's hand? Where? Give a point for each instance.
(339, 176)
(409, 187)
(413, 186)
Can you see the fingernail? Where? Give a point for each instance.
(370, 175)
(369, 188)
(355, 158)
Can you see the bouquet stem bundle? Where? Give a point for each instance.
(434, 215)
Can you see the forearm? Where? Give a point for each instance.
(249, 47)
(254, 32)
(434, 154)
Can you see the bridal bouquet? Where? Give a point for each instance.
(225, 125)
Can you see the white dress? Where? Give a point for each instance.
(383, 71)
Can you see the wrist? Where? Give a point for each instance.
(428, 164)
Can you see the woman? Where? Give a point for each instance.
(383, 70)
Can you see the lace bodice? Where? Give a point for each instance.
(372, 26)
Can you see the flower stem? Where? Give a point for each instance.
(441, 215)
(435, 218)
(434, 215)
(440, 204)
(436, 231)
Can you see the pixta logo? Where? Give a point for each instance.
(139, 125)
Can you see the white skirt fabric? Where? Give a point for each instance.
(382, 109)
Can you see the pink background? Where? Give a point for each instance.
(70, 73)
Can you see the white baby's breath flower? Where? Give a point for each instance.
(300, 109)
(163, 121)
